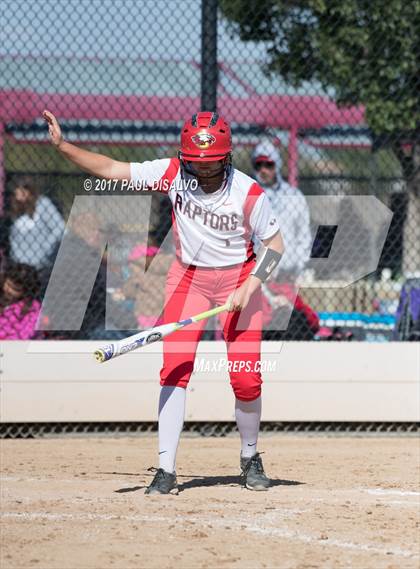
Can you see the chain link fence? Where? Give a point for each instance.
(323, 99)
(204, 429)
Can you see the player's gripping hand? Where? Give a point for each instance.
(239, 298)
(53, 128)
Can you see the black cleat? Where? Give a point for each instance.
(253, 476)
(163, 483)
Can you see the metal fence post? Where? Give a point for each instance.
(209, 70)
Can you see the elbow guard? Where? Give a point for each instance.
(267, 261)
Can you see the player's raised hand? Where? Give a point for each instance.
(53, 128)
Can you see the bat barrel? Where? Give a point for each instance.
(150, 336)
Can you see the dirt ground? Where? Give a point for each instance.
(335, 502)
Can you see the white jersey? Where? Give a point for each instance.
(210, 230)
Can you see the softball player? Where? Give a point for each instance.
(214, 222)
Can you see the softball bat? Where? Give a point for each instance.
(155, 334)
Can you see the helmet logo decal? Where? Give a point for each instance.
(203, 139)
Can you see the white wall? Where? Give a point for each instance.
(61, 381)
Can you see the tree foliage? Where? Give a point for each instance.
(368, 51)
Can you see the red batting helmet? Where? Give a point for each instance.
(205, 137)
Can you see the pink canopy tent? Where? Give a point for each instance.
(291, 113)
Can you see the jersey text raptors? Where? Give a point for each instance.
(213, 229)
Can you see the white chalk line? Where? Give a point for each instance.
(402, 503)
(239, 524)
(64, 480)
(374, 491)
(378, 491)
(386, 492)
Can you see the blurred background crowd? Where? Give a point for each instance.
(323, 100)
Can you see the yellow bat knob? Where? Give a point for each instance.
(99, 356)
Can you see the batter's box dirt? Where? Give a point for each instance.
(335, 502)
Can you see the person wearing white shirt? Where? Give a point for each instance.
(37, 227)
(291, 210)
(292, 318)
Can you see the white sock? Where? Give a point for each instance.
(171, 421)
(248, 415)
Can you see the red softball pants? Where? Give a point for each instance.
(191, 290)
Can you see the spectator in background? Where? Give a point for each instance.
(19, 307)
(4, 237)
(37, 226)
(82, 242)
(147, 309)
(292, 212)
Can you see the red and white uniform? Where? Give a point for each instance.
(210, 230)
(214, 255)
